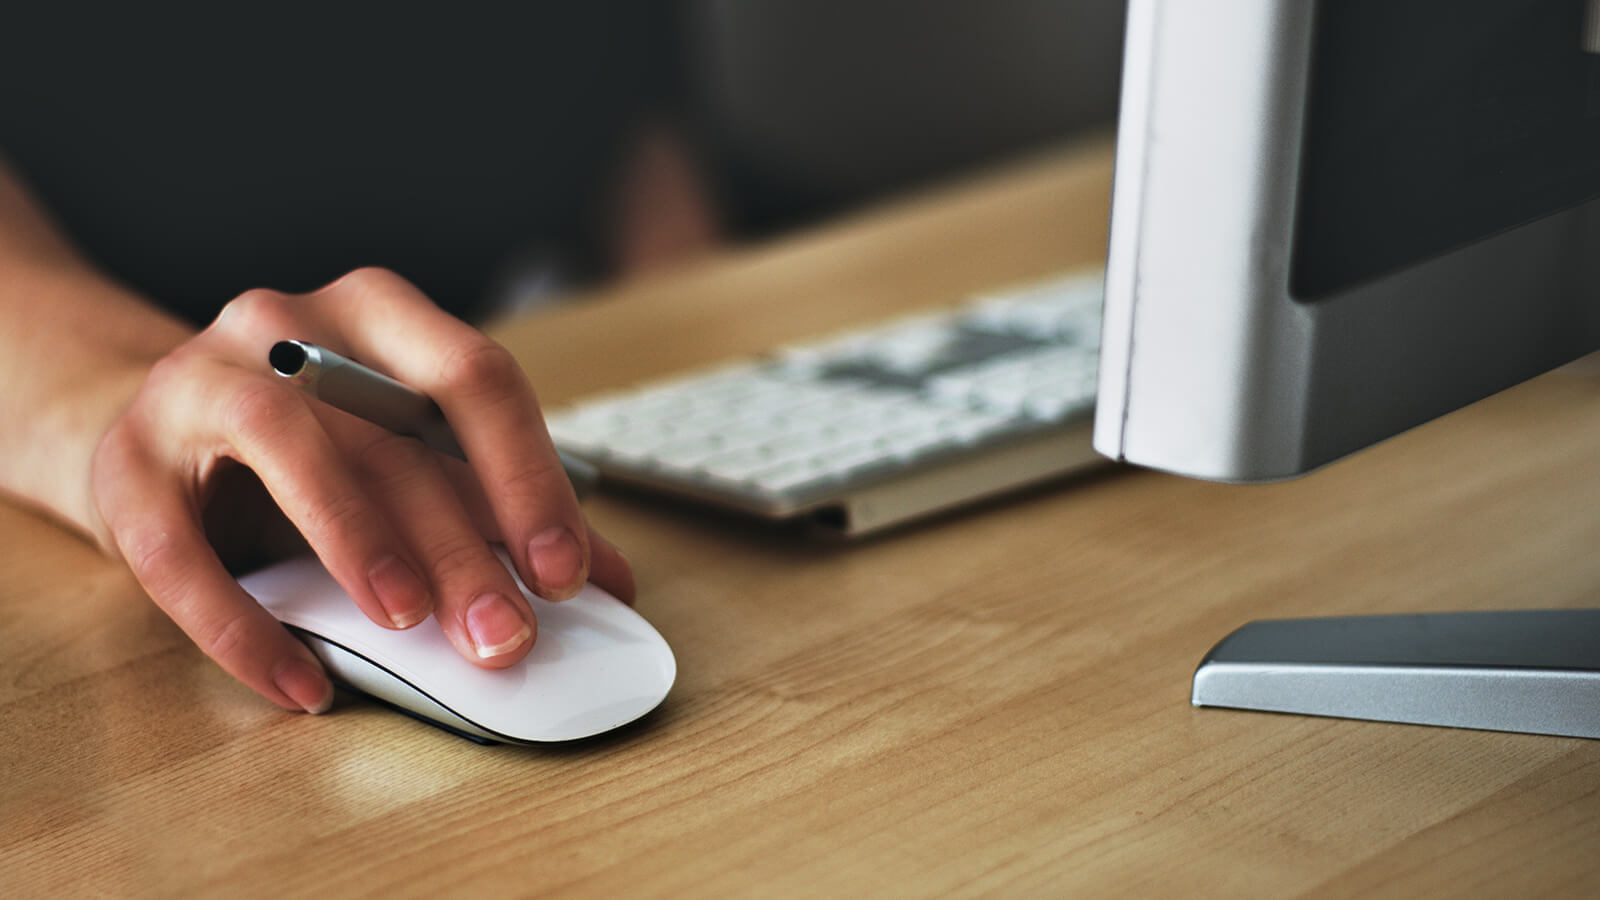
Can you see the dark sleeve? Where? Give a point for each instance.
(210, 148)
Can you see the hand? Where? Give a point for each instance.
(405, 531)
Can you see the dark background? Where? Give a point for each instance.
(197, 150)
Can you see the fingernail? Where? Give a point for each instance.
(496, 626)
(402, 593)
(305, 685)
(557, 563)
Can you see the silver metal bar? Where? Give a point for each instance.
(1532, 671)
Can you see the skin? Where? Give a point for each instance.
(145, 436)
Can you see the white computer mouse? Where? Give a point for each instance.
(595, 665)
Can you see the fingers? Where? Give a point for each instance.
(270, 428)
(388, 324)
(157, 533)
(610, 569)
(404, 531)
(479, 607)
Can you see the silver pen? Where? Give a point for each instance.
(348, 385)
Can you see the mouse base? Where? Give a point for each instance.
(412, 714)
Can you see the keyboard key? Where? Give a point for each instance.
(688, 453)
(790, 476)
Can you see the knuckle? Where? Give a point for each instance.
(337, 516)
(120, 443)
(117, 458)
(261, 409)
(149, 553)
(223, 637)
(259, 310)
(169, 370)
(392, 459)
(533, 481)
(480, 366)
(463, 560)
(370, 279)
(157, 562)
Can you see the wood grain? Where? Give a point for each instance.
(994, 702)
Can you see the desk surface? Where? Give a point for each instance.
(993, 702)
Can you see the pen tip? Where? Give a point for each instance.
(287, 358)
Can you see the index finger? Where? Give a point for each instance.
(387, 323)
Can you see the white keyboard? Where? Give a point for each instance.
(873, 427)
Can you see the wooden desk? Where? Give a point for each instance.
(996, 702)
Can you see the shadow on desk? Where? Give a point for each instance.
(804, 537)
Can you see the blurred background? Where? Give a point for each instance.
(495, 151)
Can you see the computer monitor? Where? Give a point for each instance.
(1332, 221)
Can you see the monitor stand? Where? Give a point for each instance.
(1535, 671)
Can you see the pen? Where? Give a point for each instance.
(348, 385)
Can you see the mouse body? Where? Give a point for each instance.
(595, 665)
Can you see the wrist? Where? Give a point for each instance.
(68, 437)
(80, 356)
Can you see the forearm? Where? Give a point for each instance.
(74, 347)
